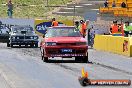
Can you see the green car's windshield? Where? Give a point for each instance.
(4, 30)
(62, 32)
(19, 29)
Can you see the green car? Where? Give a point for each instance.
(22, 35)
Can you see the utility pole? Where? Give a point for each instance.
(47, 2)
(74, 11)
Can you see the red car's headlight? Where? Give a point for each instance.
(81, 43)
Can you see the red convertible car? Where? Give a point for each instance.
(65, 42)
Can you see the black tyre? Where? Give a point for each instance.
(36, 45)
(85, 59)
(11, 45)
(31, 45)
(78, 59)
(8, 45)
(45, 59)
(84, 81)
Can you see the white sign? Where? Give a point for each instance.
(9, 22)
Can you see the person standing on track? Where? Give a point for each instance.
(10, 8)
(77, 26)
(54, 22)
(83, 27)
(92, 36)
(114, 27)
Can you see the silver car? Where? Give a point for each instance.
(22, 35)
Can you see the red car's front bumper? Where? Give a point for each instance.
(55, 51)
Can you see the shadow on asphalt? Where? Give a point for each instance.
(66, 61)
(23, 47)
(90, 48)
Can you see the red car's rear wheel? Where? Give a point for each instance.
(83, 59)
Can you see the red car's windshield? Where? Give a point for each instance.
(66, 32)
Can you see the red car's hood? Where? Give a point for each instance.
(65, 39)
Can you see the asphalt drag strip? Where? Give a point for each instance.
(24, 69)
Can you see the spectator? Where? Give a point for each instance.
(77, 27)
(54, 22)
(0, 24)
(92, 36)
(10, 8)
(127, 28)
(113, 4)
(84, 27)
(89, 37)
(114, 27)
(106, 3)
(123, 5)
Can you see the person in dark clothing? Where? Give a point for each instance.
(106, 3)
(123, 5)
(77, 28)
(89, 37)
(114, 4)
(77, 23)
(91, 34)
(10, 8)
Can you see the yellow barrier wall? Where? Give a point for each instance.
(114, 44)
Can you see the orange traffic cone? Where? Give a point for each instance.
(84, 74)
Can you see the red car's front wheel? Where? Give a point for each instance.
(41, 50)
(45, 59)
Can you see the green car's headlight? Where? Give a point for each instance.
(17, 38)
(35, 37)
(13, 37)
(31, 37)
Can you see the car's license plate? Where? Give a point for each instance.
(66, 50)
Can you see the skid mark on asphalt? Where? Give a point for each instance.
(3, 82)
(68, 68)
(28, 51)
(35, 52)
(112, 68)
